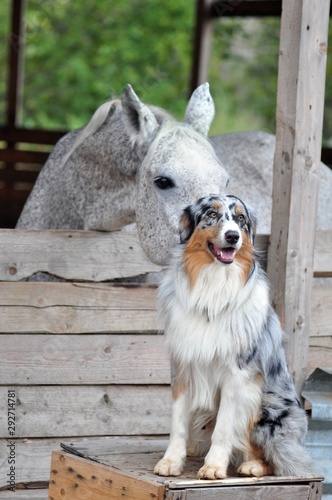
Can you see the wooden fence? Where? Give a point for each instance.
(84, 358)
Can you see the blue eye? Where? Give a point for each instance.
(164, 183)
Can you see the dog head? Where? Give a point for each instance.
(218, 228)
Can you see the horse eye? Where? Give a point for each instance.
(164, 183)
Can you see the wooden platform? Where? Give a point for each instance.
(123, 468)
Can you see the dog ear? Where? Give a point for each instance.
(252, 224)
(187, 225)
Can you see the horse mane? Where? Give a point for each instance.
(98, 119)
(170, 132)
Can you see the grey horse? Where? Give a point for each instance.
(135, 163)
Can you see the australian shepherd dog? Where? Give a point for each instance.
(233, 397)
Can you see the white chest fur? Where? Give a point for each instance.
(220, 318)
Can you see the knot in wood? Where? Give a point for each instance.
(12, 270)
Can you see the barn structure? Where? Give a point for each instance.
(82, 362)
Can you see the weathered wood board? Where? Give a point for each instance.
(104, 308)
(25, 494)
(102, 359)
(299, 121)
(89, 255)
(83, 359)
(33, 456)
(99, 256)
(95, 410)
(76, 308)
(119, 474)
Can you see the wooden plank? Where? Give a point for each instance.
(202, 43)
(101, 256)
(320, 353)
(16, 40)
(300, 103)
(73, 255)
(289, 492)
(316, 490)
(32, 462)
(323, 253)
(77, 308)
(33, 456)
(321, 311)
(142, 459)
(33, 136)
(19, 156)
(49, 411)
(96, 359)
(26, 494)
(256, 8)
(76, 478)
(104, 308)
(83, 359)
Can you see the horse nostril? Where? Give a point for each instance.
(232, 237)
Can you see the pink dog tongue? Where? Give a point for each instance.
(225, 255)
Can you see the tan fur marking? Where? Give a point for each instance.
(178, 384)
(254, 452)
(244, 257)
(217, 205)
(196, 254)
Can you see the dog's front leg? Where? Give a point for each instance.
(240, 400)
(173, 461)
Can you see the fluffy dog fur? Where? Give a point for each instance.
(232, 392)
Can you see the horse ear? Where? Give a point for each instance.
(139, 119)
(200, 109)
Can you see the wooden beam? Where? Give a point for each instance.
(202, 43)
(256, 8)
(15, 59)
(300, 104)
(15, 156)
(34, 136)
(88, 410)
(107, 255)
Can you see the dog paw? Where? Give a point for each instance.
(211, 472)
(168, 467)
(255, 468)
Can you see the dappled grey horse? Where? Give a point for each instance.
(134, 162)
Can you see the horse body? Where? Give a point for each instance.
(134, 162)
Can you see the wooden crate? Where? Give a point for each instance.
(125, 470)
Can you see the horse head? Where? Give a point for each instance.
(178, 165)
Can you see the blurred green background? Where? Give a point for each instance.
(79, 54)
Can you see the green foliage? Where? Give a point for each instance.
(243, 73)
(79, 54)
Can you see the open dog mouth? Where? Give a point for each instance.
(224, 255)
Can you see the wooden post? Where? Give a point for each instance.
(202, 44)
(300, 103)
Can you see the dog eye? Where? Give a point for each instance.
(212, 214)
(164, 183)
(240, 217)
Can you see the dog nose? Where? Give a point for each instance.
(232, 237)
